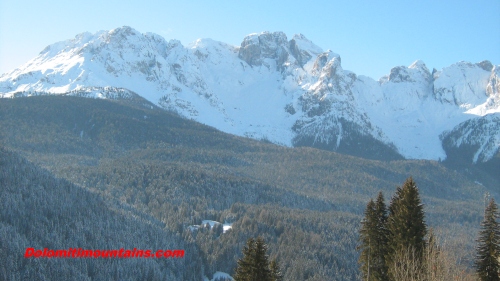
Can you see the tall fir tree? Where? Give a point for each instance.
(254, 265)
(373, 238)
(407, 228)
(488, 251)
(382, 237)
(245, 269)
(261, 261)
(366, 235)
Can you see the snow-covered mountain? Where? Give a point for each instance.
(290, 92)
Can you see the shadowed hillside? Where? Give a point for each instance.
(179, 173)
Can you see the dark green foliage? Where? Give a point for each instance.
(305, 202)
(246, 265)
(488, 251)
(254, 265)
(373, 238)
(261, 261)
(276, 273)
(406, 218)
(393, 247)
(366, 236)
(382, 238)
(406, 224)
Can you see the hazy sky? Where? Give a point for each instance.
(370, 36)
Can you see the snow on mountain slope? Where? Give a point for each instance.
(463, 84)
(492, 103)
(289, 92)
(478, 136)
(404, 107)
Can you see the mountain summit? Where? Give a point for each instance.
(289, 92)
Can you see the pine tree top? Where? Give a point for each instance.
(406, 221)
(254, 265)
(488, 250)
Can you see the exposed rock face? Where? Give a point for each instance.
(288, 92)
(493, 87)
(302, 56)
(462, 84)
(475, 139)
(320, 62)
(256, 48)
(400, 74)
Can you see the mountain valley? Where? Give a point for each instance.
(123, 139)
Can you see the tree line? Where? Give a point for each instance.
(305, 203)
(396, 244)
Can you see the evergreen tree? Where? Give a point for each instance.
(245, 269)
(276, 273)
(261, 261)
(366, 235)
(254, 265)
(488, 251)
(373, 238)
(382, 238)
(406, 225)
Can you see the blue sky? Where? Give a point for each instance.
(370, 36)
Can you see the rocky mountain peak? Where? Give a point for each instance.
(303, 49)
(486, 65)
(256, 48)
(463, 84)
(420, 66)
(288, 92)
(123, 31)
(493, 87)
(416, 71)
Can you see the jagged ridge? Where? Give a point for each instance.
(289, 92)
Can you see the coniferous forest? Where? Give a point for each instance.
(107, 174)
(396, 245)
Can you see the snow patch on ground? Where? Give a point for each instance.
(219, 276)
(211, 224)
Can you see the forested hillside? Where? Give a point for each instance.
(127, 166)
(41, 211)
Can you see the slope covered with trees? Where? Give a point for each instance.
(306, 203)
(40, 211)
